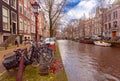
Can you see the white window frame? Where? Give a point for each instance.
(12, 18)
(21, 21)
(25, 3)
(25, 12)
(29, 5)
(8, 28)
(28, 27)
(15, 6)
(6, 1)
(25, 26)
(33, 29)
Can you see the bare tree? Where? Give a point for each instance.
(53, 10)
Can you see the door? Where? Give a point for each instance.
(114, 34)
(21, 39)
(14, 29)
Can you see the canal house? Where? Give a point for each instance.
(8, 20)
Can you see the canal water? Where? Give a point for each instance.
(86, 62)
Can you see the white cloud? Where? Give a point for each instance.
(110, 1)
(84, 7)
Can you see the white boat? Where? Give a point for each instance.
(102, 43)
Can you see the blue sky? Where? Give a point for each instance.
(75, 9)
(70, 4)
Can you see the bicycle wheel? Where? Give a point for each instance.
(33, 56)
(35, 63)
(35, 60)
(30, 51)
(46, 56)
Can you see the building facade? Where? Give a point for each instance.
(8, 19)
(26, 20)
(27, 26)
(112, 22)
(17, 21)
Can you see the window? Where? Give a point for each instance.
(7, 1)
(14, 16)
(28, 27)
(20, 8)
(5, 38)
(105, 18)
(115, 24)
(25, 3)
(25, 26)
(25, 12)
(33, 29)
(115, 15)
(32, 17)
(28, 14)
(21, 25)
(5, 15)
(109, 25)
(105, 26)
(109, 17)
(13, 3)
(29, 5)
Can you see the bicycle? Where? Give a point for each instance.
(37, 55)
(41, 54)
(12, 62)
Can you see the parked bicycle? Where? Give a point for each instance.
(38, 54)
(41, 54)
(13, 61)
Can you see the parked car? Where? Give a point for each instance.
(49, 41)
(86, 37)
(95, 37)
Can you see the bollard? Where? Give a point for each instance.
(21, 68)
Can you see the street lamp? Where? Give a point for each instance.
(36, 7)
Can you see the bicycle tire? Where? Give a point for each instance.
(35, 63)
(46, 56)
(33, 57)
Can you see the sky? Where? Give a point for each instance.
(76, 9)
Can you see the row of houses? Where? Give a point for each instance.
(17, 21)
(106, 23)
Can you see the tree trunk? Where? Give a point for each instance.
(51, 31)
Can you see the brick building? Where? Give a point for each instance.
(17, 21)
(26, 20)
(8, 19)
(112, 22)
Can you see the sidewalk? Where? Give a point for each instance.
(6, 53)
(56, 73)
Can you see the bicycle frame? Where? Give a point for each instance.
(40, 53)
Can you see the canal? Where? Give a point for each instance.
(86, 62)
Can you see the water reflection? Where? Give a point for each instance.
(85, 62)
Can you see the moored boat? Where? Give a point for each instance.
(102, 43)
